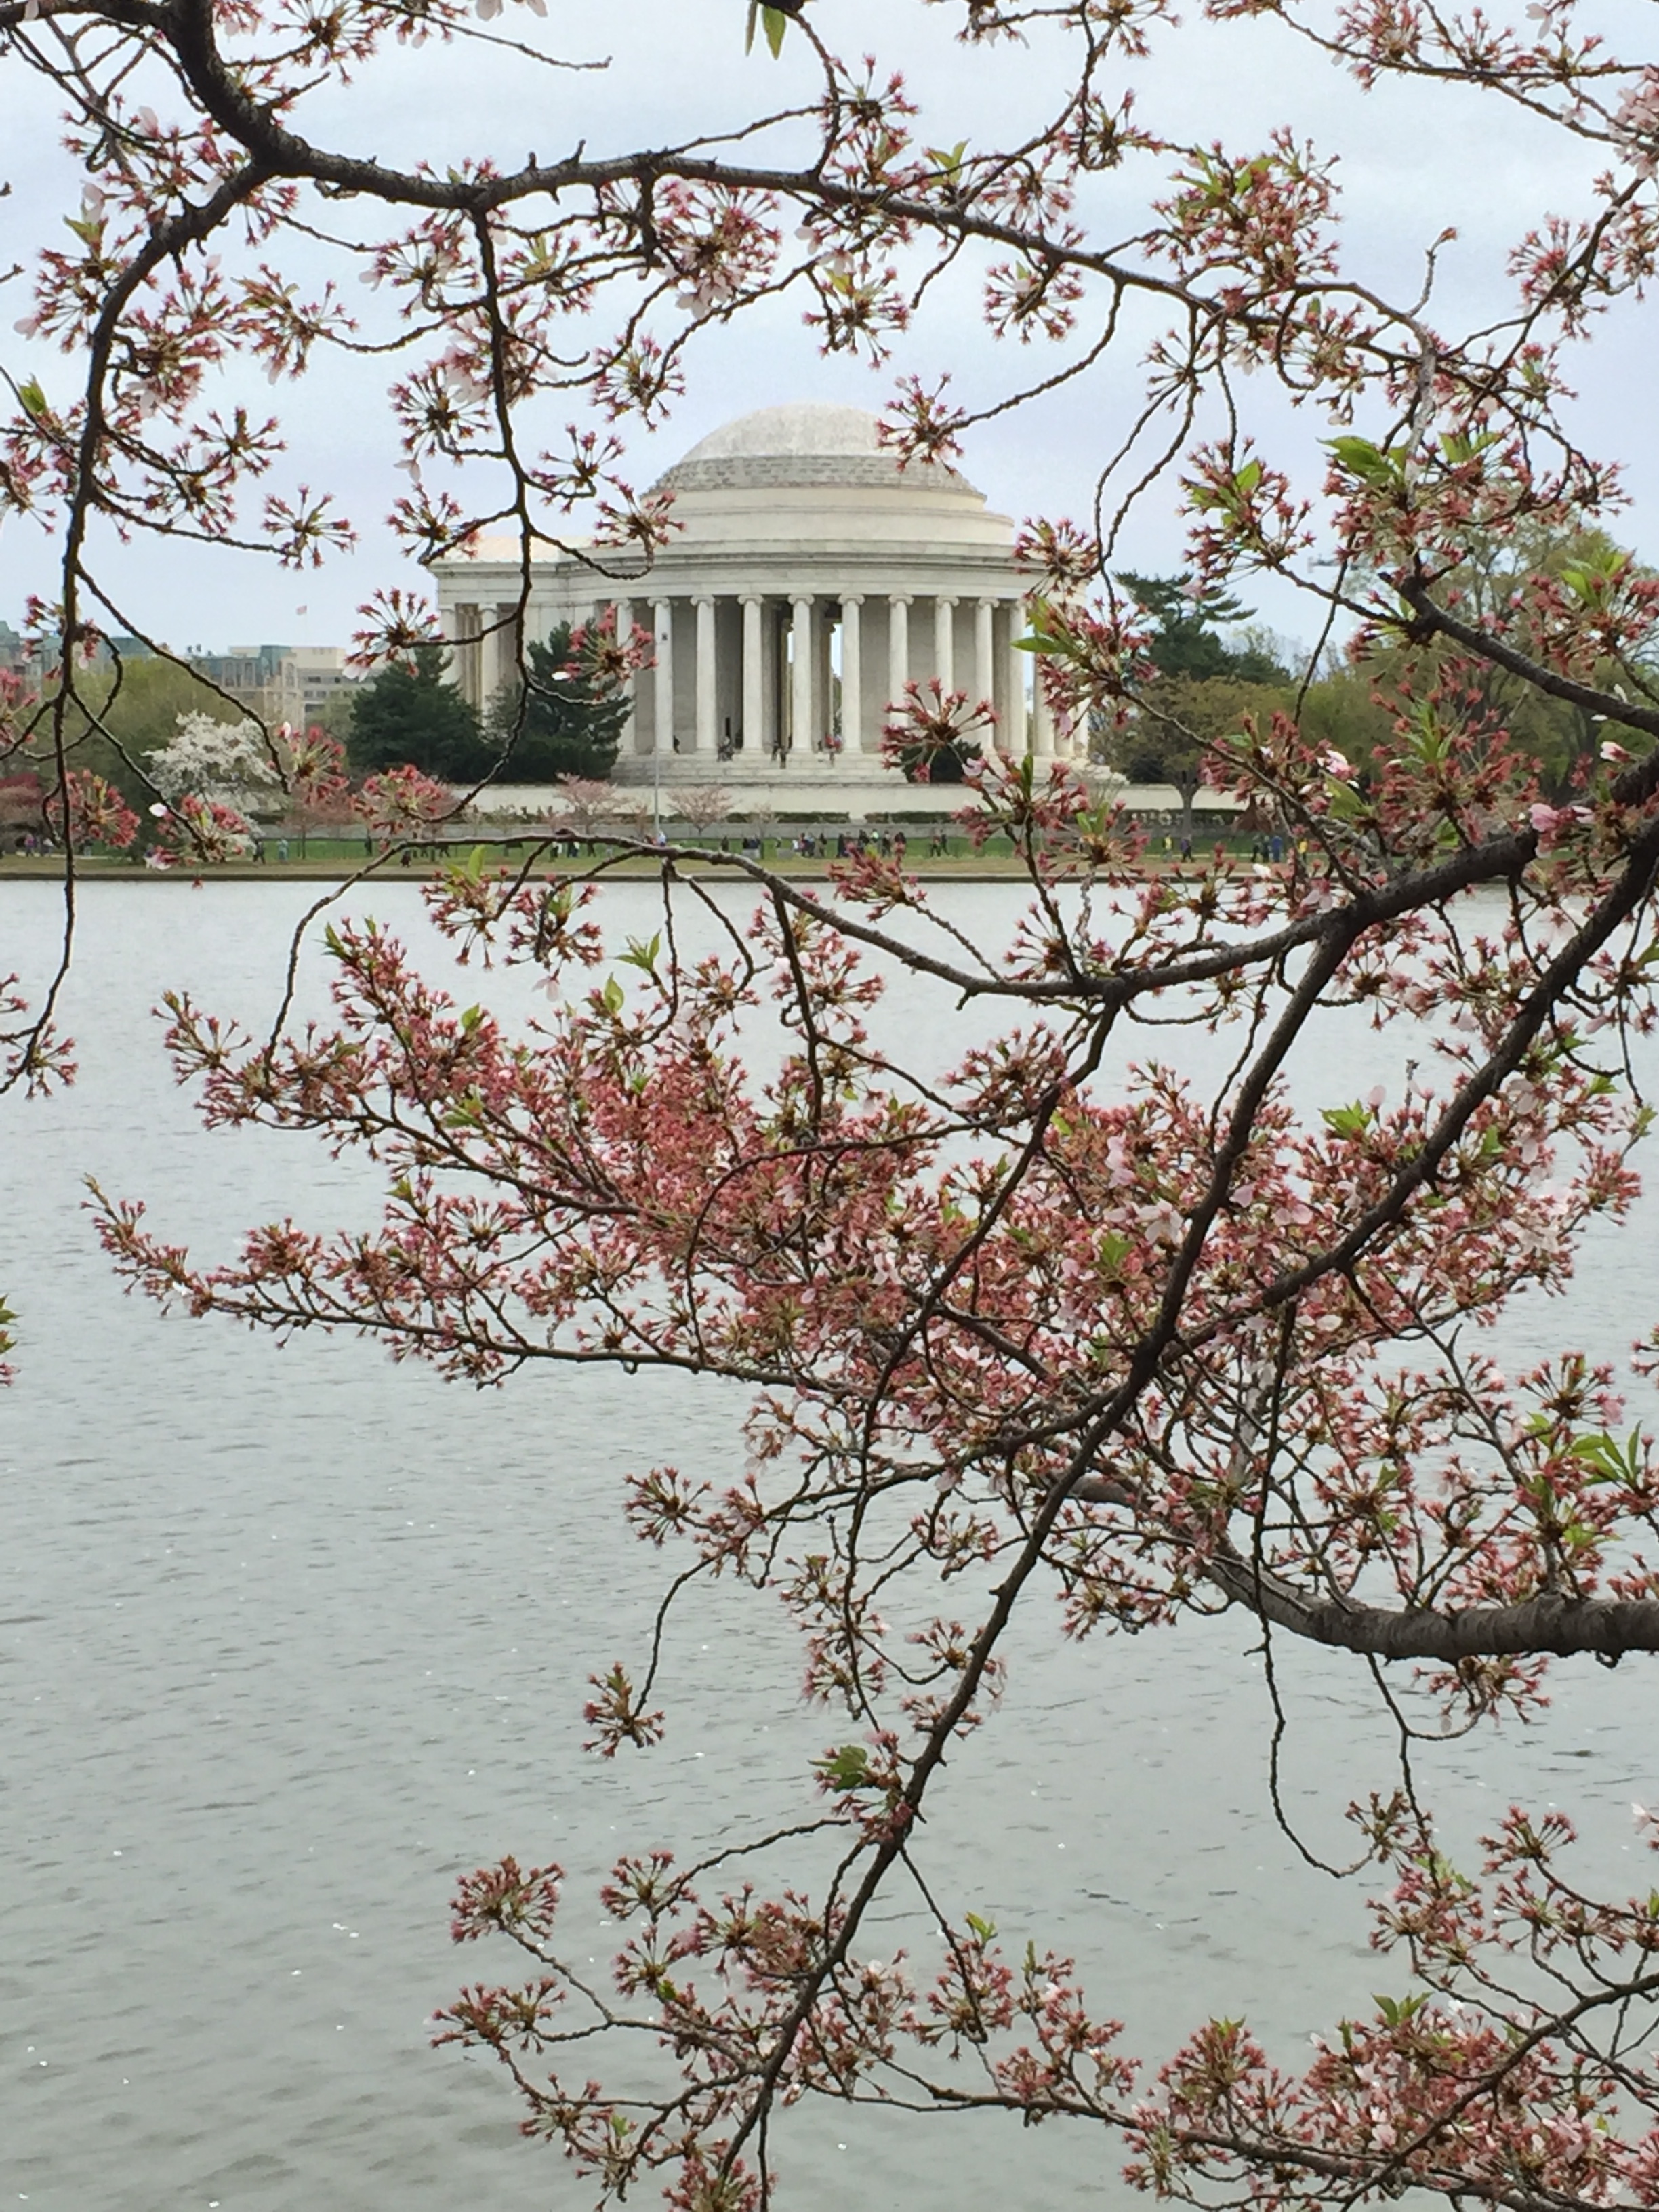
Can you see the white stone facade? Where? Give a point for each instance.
(809, 579)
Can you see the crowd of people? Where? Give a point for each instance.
(891, 844)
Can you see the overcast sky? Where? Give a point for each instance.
(1412, 161)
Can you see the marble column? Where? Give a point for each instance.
(621, 616)
(662, 735)
(492, 653)
(800, 638)
(1015, 735)
(824, 680)
(898, 650)
(1041, 717)
(755, 732)
(468, 677)
(630, 683)
(852, 674)
(945, 654)
(985, 674)
(706, 740)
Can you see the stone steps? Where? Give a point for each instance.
(821, 770)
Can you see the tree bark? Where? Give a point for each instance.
(1553, 1622)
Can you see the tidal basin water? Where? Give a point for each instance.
(291, 1636)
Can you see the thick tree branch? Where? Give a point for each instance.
(1551, 1622)
(1635, 784)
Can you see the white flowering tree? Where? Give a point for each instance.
(231, 762)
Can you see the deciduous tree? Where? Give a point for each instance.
(703, 806)
(1015, 1326)
(230, 762)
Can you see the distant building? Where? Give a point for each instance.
(811, 579)
(246, 672)
(21, 660)
(281, 683)
(15, 657)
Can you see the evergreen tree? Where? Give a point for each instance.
(1186, 642)
(1203, 690)
(566, 721)
(409, 715)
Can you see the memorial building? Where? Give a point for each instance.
(809, 578)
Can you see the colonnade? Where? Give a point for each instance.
(754, 672)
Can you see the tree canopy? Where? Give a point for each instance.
(409, 715)
(123, 712)
(1187, 620)
(565, 718)
(1055, 1321)
(142, 702)
(1204, 689)
(1500, 576)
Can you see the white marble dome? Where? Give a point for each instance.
(813, 482)
(810, 445)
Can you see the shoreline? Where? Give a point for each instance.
(994, 868)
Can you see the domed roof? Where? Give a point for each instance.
(809, 444)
